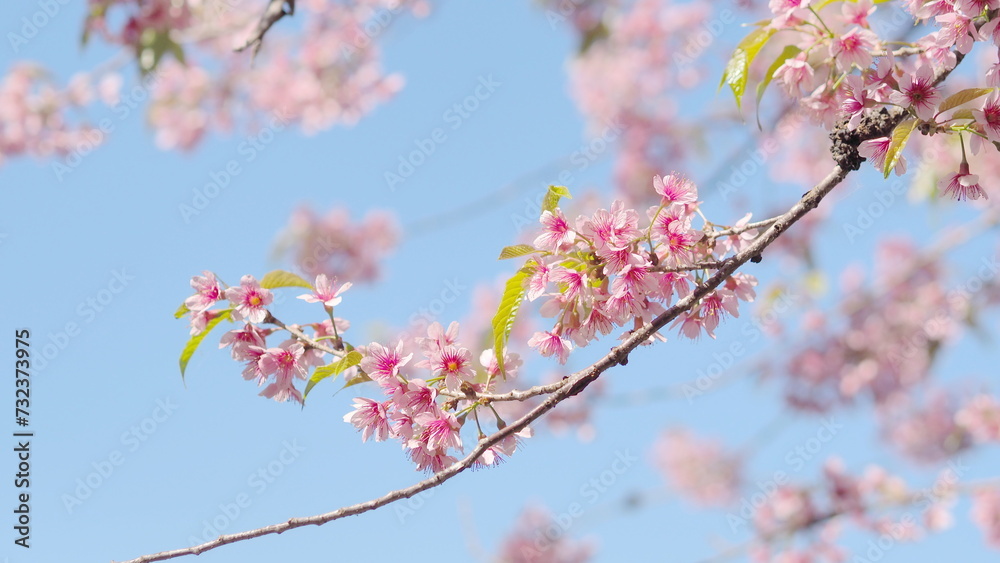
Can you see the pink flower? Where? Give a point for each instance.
(438, 338)
(381, 362)
(538, 282)
(285, 361)
(511, 362)
(370, 417)
(857, 13)
(572, 283)
(981, 416)
(973, 8)
(556, 233)
(788, 12)
(677, 243)
(282, 390)
(430, 460)
(876, 150)
(986, 514)
(417, 398)
(675, 189)
(610, 230)
(917, 92)
(691, 323)
(252, 370)
(325, 293)
(699, 469)
(962, 185)
(207, 292)
(494, 455)
(440, 431)
(854, 104)
(550, 343)
(854, 48)
(241, 340)
(715, 305)
(633, 280)
(795, 74)
(249, 300)
(988, 118)
(454, 364)
(200, 319)
(958, 31)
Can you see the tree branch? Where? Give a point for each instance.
(566, 388)
(844, 150)
(274, 11)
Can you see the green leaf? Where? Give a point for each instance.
(788, 52)
(281, 278)
(738, 68)
(195, 340)
(552, 197)
(510, 302)
(963, 97)
(97, 11)
(964, 113)
(153, 44)
(900, 135)
(361, 378)
(515, 251)
(350, 360)
(593, 35)
(181, 311)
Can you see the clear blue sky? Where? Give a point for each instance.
(116, 217)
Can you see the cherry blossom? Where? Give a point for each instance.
(249, 300)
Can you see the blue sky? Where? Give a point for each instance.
(107, 250)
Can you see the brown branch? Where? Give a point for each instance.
(276, 9)
(567, 388)
(845, 154)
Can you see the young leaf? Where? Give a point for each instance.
(513, 294)
(361, 378)
(964, 113)
(195, 340)
(281, 278)
(963, 97)
(153, 45)
(515, 251)
(900, 135)
(552, 197)
(352, 359)
(181, 311)
(788, 52)
(738, 68)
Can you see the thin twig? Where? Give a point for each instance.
(276, 9)
(569, 387)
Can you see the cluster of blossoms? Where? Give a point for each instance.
(280, 366)
(537, 537)
(867, 501)
(141, 19)
(839, 69)
(698, 468)
(943, 426)
(638, 55)
(331, 75)
(427, 415)
(35, 114)
(605, 270)
(336, 245)
(708, 474)
(887, 339)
